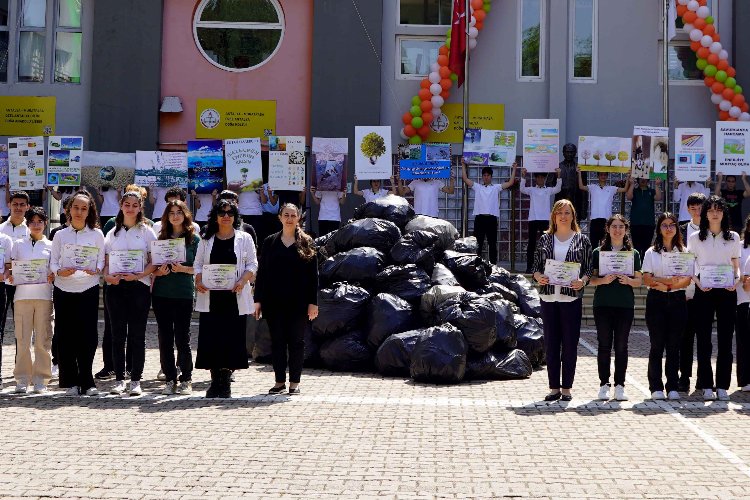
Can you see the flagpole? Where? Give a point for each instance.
(665, 88)
(464, 191)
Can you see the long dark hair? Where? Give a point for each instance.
(606, 243)
(167, 229)
(718, 202)
(92, 218)
(746, 233)
(120, 219)
(305, 244)
(213, 218)
(676, 241)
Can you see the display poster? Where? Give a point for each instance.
(449, 126)
(107, 170)
(3, 164)
(372, 153)
(692, 154)
(205, 166)
(650, 150)
(234, 118)
(64, 155)
(424, 161)
(286, 163)
(243, 164)
(330, 161)
(26, 163)
(541, 145)
(732, 140)
(604, 154)
(496, 148)
(27, 115)
(161, 169)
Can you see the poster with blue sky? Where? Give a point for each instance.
(64, 155)
(205, 161)
(161, 169)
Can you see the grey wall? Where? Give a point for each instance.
(742, 43)
(126, 75)
(346, 74)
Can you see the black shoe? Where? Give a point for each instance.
(553, 396)
(213, 389)
(225, 384)
(277, 390)
(683, 385)
(294, 391)
(566, 397)
(104, 374)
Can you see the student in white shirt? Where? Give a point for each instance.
(33, 309)
(173, 194)
(203, 203)
(329, 216)
(540, 203)
(681, 193)
(76, 297)
(129, 295)
(109, 201)
(6, 245)
(715, 244)
(375, 191)
(601, 196)
(251, 209)
(156, 198)
(666, 308)
(426, 193)
(742, 321)
(487, 208)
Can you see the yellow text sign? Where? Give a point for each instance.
(234, 119)
(27, 116)
(449, 127)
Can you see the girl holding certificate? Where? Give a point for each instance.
(225, 265)
(717, 252)
(172, 298)
(77, 260)
(127, 273)
(617, 267)
(561, 247)
(666, 307)
(742, 322)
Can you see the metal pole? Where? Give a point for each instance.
(464, 191)
(665, 89)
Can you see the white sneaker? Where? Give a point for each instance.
(722, 394)
(708, 395)
(73, 391)
(55, 371)
(160, 375)
(620, 393)
(185, 388)
(604, 392)
(135, 388)
(118, 388)
(92, 391)
(745, 388)
(40, 389)
(169, 389)
(21, 388)
(673, 396)
(658, 396)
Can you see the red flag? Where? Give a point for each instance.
(457, 55)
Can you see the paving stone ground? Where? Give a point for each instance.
(364, 436)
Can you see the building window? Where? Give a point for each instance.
(238, 35)
(416, 55)
(531, 40)
(32, 41)
(682, 64)
(583, 40)
(426, 12)
(68, 39)
(4, 40)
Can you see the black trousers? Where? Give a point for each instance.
(642, 238)
(128, 303)
(666, 314)
(287, 339)
(613, 324)
(76, 315)
(596, 231)
(723, 303)
(327, 226)
(562, 330)
(687, 345)
(536, 228)
(485, 226)
(742, 330)
(3, 316)
(173, 319)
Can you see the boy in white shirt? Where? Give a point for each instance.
(426, 193)
(681, 193)
(601, 196)
(329, 215)
(540, 206)
(376, 190)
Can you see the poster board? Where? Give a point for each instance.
(111, 170)
(604, 154)
(161, 169)
(64, 155)
(541, 145)
(26, 163)
(449, 126)
(286, 163)
(27, 115)
(205, 166)
(692, 154)
(732, 142)
(489, 147)
(650, 152)
(425, 161)
(3, 164)
(243, 164)
(330, 163)
(234, 118)
(372, 153)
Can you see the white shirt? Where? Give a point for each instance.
(202, 213)
(486, 200)
(159, 202)
(250, 203)
(601, 200)
(540, 199)
(691, 230)
(742, 295)
(6, 244)
(683, 192)
(714, 250)
(138, 237)
(156, 228)
(561, 251)
(79, 281)
(25, 250)
(110, 205)
(329, 205)
(4, 209)
(15, 232)
(426, 196)
(370, 196)
(653, 264)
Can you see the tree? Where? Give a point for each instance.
(373, 146)
(597, 156)
(585, 154)
(610, 156)
(622, 156)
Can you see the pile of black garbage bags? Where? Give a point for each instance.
(401, 295)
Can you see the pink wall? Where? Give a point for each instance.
(285, 78)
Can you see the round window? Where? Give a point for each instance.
(238, 35)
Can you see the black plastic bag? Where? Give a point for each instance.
(340, 309)
(439, 356)
(387, 315)
(393, 358)
(530, 338)
(375, 233)
(496, 288)
(391, 208)
(312, 349)
(419, 247)
(359, 265)
(348, 353)
(262, 346)
(504, 325)
(528, 296)
(469, 269)
(443, 228)
(466, 245)
(408, 282)
(437, 298)
(498, 366)
(441, 275)
(321, 241)
(476, 318)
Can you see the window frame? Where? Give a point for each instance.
(542, 43)
(33, 29)
(11, 46)
(64, 29)
(402, 37)
(197, 23)
(402, 25)
(660, 61)
(594, 44)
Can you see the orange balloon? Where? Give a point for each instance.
(425, 83)
(709, 30)
(702, 2)
(713, 59)
(443, 50)
(689, 17)
(716, 37)
(479, 15)
(479, 25)
(731, 72)
(681, 10)
(424, 94)
(410, 131)
(723, 115)
(424, 131)
(699, 23)
(426, 105)
(477, 4)
(745, 107)
(445, 71)
(728, 94)
(730, 119)
(738, 100)
(442, 60)
(445, 94)
(723, 65)
(695, 46)
(446, 83)
(427, 118)
(406, 118)
(704, 53)
(717, 88)
(709, 80)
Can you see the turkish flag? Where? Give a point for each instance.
(457, 55)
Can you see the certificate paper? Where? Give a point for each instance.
(616, 263)
(717, 276)
(562, 273)
(678, 264)
(79, 257)
(219, 276)
(168, 251)
(126, 261)
(30, 272)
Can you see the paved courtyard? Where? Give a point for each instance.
(363, 436)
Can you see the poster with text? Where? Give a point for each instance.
(650, 152)
(107, 170)
(692, 154)
(604, 154)
(489, 147)
(372, 153)
(286, 163)
(161, 169)
(244, 166)
(541, 145)
(425, 161)
(732, 141)
(330, 161)
(3, 164)
(64, 156)
(205, 166)
(26, 163)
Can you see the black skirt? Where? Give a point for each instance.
(221, 341)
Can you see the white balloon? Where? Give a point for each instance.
(723, 55)
(745, 117)
(436, 112)
(473, 32)
(688, 28)
(473, 21)
(693, 5)
(434, 77)
(735, 112)
(725, 105)
(703, 12)
(403, 134)
(706, 41)
(437, 101)
(435, 89)
(715, 47)
(434, 67)
(472, 43)
(716, 98)
(696, 35)
(683, 2)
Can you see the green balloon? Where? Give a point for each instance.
(448, 34)
(709, 20)
(454, 77)
(721, 76)
(730, 83)
(487, 7)
(701, 64)
(448, 43)
(415, 140)
(710, 70)
(415, 101)
(737, 89)
(417, 122)
(415, 111)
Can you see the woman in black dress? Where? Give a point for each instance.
(221, 330)
(287, 294)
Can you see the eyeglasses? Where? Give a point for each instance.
(669, 226)
(178, 213)
(226, 213)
